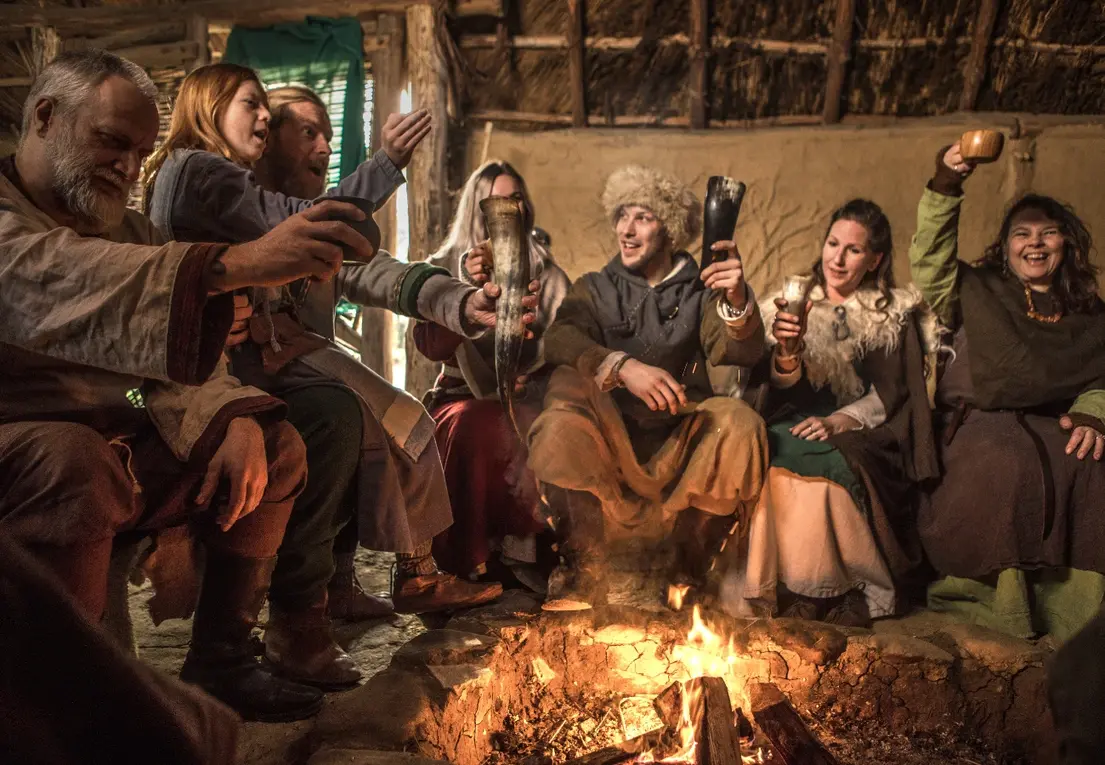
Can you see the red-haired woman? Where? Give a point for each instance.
(370, 449)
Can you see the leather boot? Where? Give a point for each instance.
(699, 537)
(222, 660)
(852, 611)
(348, 600)
(579, 582)
(300, 646)
(439, 591)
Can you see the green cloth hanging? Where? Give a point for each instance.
(323, 54)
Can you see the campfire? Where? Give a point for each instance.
(625, 683)
(695, 720)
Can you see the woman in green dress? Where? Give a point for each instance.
(849, 425)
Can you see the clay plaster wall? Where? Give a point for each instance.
(796, 177)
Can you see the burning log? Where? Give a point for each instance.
(706, 700)
(715, 738)
(791, 741)
(669, 705)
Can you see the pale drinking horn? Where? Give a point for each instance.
(510, 258)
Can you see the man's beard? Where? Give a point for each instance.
(73, 173)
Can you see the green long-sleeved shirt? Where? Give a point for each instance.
(936, 268)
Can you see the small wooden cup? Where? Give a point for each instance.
(981, 146)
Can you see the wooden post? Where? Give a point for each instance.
(427, 175)
(387, 85)
(976, 60)
(576, 70)
(700, 47)
(197, 33)
(840, 51)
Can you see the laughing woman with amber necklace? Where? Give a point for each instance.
(1016, 526)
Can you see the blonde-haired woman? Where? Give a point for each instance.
(371, 455)
(493, 493)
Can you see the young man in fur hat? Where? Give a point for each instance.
(631, 436)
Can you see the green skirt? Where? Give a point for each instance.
(813, 459)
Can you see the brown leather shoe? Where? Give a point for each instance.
(440, 592)
(348, 600)
(300, 646)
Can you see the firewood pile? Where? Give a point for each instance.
(689, 723)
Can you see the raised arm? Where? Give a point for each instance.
(375, 180)
(214, 199)
(934, 250)
(419, 290)
(729, 337)
(378, 178)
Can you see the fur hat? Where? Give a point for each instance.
(673, 203)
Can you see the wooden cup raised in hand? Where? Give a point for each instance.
(981, 146)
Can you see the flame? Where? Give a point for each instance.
(705, 654)
(677, 593)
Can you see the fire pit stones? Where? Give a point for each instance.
(448, 692)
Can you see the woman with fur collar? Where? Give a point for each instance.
(844, 396)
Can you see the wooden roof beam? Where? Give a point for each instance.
(975, 68)
(700, 51)
(560, 42)
(71, 20)
(840, 51)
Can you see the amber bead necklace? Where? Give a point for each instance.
(1034, 314)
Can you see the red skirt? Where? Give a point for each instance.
(492, 490)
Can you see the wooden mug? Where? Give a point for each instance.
(981, 146)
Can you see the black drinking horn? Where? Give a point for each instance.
(510, 264)
(720, 213)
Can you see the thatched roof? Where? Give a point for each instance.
(771, 59)
(767, 61)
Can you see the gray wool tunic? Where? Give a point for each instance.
(402, 499)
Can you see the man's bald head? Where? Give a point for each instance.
(88, 124)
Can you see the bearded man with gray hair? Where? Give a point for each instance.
(94, 305)
(631, 436)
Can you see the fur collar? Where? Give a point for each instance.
(831, 362)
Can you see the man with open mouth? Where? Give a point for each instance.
(632, 436)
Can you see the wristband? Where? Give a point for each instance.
(616, 370)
